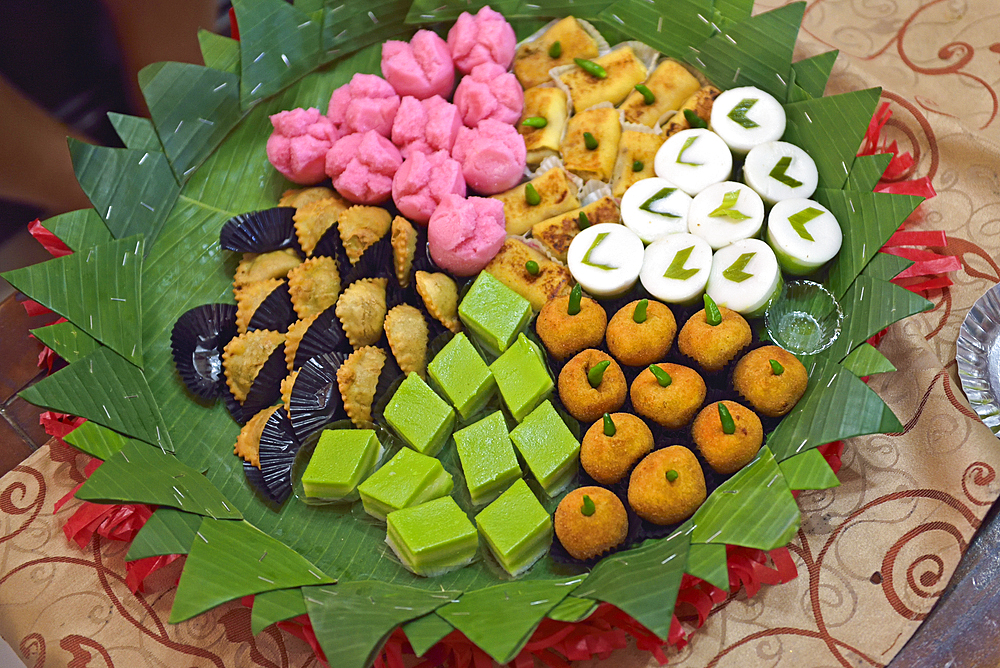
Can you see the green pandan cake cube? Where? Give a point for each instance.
(432, 538)
(342, 459)
(548, 447)
(494, 312)
(487, 456)
(522, 377)
(406, 480)
(422, 418)
(517, 528)
(462, 376)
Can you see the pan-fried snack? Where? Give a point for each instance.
(360, 227)
(406, 330)
(556, 233)
(262, 266)
(534, 59)
(361, 310)
(299, 197)
(314, 218)
(592, 157)
(624, 70)
(557, 195)
(671, 85)
(249, 297)
(244, 356)
(404, 248)
(548, 103)
(700, 103)
(314, 286)
(357, 379)
(509, 266)
(440, 295)
(635, 149)
(248, 442)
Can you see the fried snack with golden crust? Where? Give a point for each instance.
(672, 406)
(588, 403)
(243, 357)
(671, 85)
(598, 162)
(509, 266)
(557, 233)
(361, 226)
(769, 393)
(314, 285)
(404, 249)
(624, 71)
(406, 331)
(641, 343)
(300, 197)
(727, 453)
(361, 310)
(249, 297)
(564, 334)
(588, 536)
(357, 379)
(655, 497)
(607, 459)
(700, 103)
(314, 218)
(248, 442)
(263, 266)
(440, 294)
(633, 146)
(557, 193)
(533, 62)
(713, 346)
(548, 103)
(287, 385)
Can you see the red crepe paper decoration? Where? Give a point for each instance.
(33, 308)
(47, 357)
(234, 29)
(49, 241)
(901, 163)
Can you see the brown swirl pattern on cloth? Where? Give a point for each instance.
(874, 554)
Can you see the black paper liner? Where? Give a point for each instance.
(375, 262)
(330, 244)
(278, 446)
(265, 391)
(324, 335)
(256, 480)
(260, 231)
(275, 312)
(315, 401)
(197, 341)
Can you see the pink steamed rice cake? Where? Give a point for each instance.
(297, 147)
(425, 125)
(489, 91)
(465, 234)
(368, 102)
(421, 67)
(492, 156)
(423, 180)
(483, 38)
(362, 166)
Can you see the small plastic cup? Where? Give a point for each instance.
(804, 318)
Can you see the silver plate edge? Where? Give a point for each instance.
(972, 356)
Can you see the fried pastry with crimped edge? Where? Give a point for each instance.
(314, 285)
(624, 70)
(633, 146)
(557, 193)
(407, 333)
(260, 266)
(294, 336)
(361, 309)
(361, 226)
(557, 233)
(404, 249)
(550, 103)
(533, 62)
(509, 267)
(249, 297)
(357, 379)
(670, 83)
(700, 103)
(313, 220)
(440, 295)
(244, 356)
(247, 445)
(597, 163)
(287, 385)
(299, 197)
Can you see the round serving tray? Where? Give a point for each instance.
(978, 357)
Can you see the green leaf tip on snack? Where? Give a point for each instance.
(638, 166)
(555, 50)
(798, 221)
(659, 195)
(676, 269)
(728, 424)
(588, 507)
(662, 377)
(727, 209)
(647, 95)
(586, 258)
(639, 314)
(532, 267)
(591, 68)
(736, 271)
(738, 114)
(609, 426)
(672, 475)
(590, 141)
(688, 143)
(694, 120)
(531, 195)
(596, 373)
(712, 314)
(778, 172)
(575, 296)
(535, 122)
(582, 220)
(776, 367)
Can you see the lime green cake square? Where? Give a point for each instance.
(548, 447)
(462, 376)
(494, 313)
(342, 458)
(408, 479)
(517, 528)
(421, 418)
(488, 460)
(432, 538)
(522, 377)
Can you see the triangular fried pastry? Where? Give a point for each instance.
(248, 442)
(314, 286)
(406, 330)
(404, 248)
(357, 378)
(312, 220)
(286, 389)
(440, 295)
(360, 227)
(361, 310)
(249, 297)
(300, 197)
(243, 357)
(261, 266)
(293, 338)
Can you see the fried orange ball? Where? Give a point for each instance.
(590, 521)
(667, 486)
(727, 448)
(585, 401)
(713, 346)
(672, 405)
(564, 334)
(607, 457)
(641, 343)
(771, 379)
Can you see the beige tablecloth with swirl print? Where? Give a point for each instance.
(873, 555)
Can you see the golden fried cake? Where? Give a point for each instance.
(406, 330)
(729, 437)
(700, 103)
(563, 334)
(534, 59)
(641, 343)
(672, 401)
(671, 85)
(315, 217)
(361, 226)
(608, 458)
(249, 297)
(248, 442)
(314, 286)
(357, 379)
(604, 127)
(634, 147)
(300, 197)
(590, 521)
(509, 266)
(287, 385)
(585, 400)
(624, 71)
(771, 379)
(404, 249)
(667, 486)
(262, 266)
(713, 346)
(361, 310)
(557, 193)
(293, 338)
(243, 357)
(440, 295)
(546, 102)
(557, 233)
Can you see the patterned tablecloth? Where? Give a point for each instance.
(873, 555)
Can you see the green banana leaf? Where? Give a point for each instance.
(573, 609)
(79, 229)
(867, 361)
(270, 607)
(867, 170)
(425, 632)
(674, 28)
(885, 266)
(135, 132)
(733, 11)
(219, 52)
(95, 440)
(168, 531)
(708, 562)
(67, 340)
(811, 74)
(808, 470)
